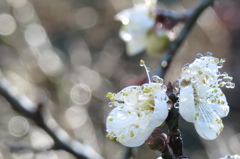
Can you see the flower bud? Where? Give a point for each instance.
(156, 43)
(157, 140)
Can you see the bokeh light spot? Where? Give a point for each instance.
(86, 17)
(35, 35)
(80, 94)
(7, 24)
(25, 155)
(39, 139)
(18, 3)
(50, 63)
(80, 54)
(24, 13)
(89, 77)
(47, 155)
(76, 116)
(18, 126)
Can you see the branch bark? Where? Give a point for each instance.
(192, 16)
(42, 118)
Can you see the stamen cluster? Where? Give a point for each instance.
(138, 111)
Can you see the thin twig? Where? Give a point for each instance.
(40, 115)
(175, 45)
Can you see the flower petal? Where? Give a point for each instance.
(139, 137)
(160, 112)
(129, 129)
(207, 98)
(136, 45)
(186, 103)
(207, 123)
(221, 110)
(136, 23)
(130, 90)
(220, 105)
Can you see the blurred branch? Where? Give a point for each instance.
(174, 16)
(15, 146)
(175, 45)
(40, 115)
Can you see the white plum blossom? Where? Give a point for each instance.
(138, 111)
(201, 100)
(137, 21)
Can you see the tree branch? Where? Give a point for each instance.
(175, 45)
(40, 115)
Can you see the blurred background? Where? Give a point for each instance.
(68, 53)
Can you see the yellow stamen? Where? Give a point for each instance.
(131, 134)
(221, 129)
(219, 121)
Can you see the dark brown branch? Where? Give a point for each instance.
(174, 134)
(40, 115)
(175, 45)
(175, 139)
(162, 15)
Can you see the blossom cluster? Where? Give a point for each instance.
(138, 110)
(136, 23)
(201, 100)
(139, 30)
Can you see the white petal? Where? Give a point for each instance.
(129, 129)
(136, 45)
(160, 95)
(210, 103)
(139, 138)
(138, 16)
(151, 3)
(160, 113)
(125, 34)
(136, 23)
(131, 98)
(131, 89)
(123, 15)
(208, 124)
(186, 103)
(221, 110)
